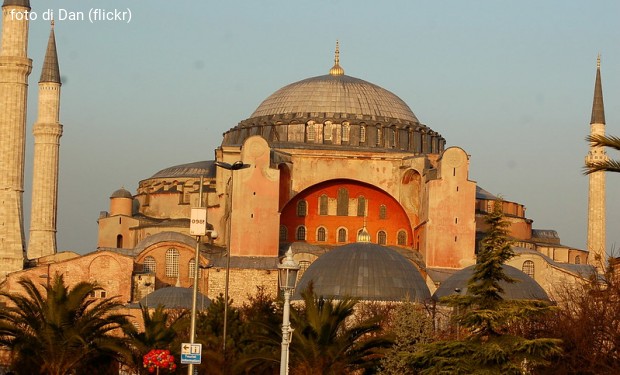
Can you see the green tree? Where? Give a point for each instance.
(411, 326)
(326, 340)
(490, 345)
(209, 332)
(161, 330)
(608, 165)
(64, 331)
(260, 346)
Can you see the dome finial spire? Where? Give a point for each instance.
(598, 61)
(336, 70)
(363, 235)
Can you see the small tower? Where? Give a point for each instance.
(15, 67)
(596, 192)
(47, 132)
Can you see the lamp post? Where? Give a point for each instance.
(198, 227)
(288, 279)
(458, 319)
(232, 168)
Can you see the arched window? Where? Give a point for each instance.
(577, 259)
(303, 266)
(381, 238)
(172, 263)
(342, 204)
(311, 131)
(528, 268)
(301, 233)
(149, 264)
(302, 208)
(283, 233)
(321, 234)
(402, 238)
(192, 269)
(362, 134)
(327, 131)
(361, 206)
(323, 205)
(342, 235)
(345, 132)
(382, 212)
(119, 241)
(379, 135)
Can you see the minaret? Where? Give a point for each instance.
(47, 132)
(596, 192)
(15, 66)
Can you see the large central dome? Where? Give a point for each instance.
(336, 111)
(335, 94)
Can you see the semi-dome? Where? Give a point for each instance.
(195, 169)
(173, 297)
(338, 94)
(366, 271)
(524, 288)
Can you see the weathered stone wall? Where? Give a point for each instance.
(242, 282)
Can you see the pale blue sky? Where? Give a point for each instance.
(511, 82)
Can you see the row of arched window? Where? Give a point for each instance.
(172, 264)
(341, 235)
(342, 205)
(381, 136)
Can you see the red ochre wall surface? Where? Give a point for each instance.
(395, 217)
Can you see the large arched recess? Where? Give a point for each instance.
(381, 213)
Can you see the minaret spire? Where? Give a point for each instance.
(596, 194)
(598, 110)
(47, 132)
(15, 67)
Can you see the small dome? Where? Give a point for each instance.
(121, 193)
(366, 271)
(173, 297)
(524, 288)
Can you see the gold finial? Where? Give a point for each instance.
(598, 61)
(336, 70)
(363, 235)
(337, 57)
(52, 22)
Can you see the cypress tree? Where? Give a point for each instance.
(489, 345)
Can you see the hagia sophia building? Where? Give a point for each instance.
(371, 201)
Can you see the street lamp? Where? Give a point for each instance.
(198, 227)
(287, 278)
(232, 168)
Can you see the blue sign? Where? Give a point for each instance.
(191, 353)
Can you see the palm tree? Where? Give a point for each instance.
(327, 340)
(604, 165)
(161, 330)
(64, 331)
